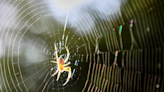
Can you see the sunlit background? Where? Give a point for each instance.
(115, 45)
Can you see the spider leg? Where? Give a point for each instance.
(56, 52)
(58, 75)
(53, 61)
(67, 54)
(67, 64)
(68, 69)
(55, 72)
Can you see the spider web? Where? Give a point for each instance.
(117, 52)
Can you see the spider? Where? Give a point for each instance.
(62, 66)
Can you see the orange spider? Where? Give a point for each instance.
(61, 66)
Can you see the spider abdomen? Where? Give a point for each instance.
(61, 61)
